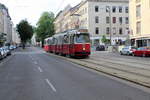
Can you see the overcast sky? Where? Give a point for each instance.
(32, 9)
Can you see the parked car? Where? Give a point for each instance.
(100, 48)
(142, 51)
(11, 47)
(3, 52)
(8, 51)
(127, 50)
(14, 47)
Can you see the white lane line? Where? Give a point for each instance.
(35, 62)
(39, 68)
(6, 60)
(50, 84)
(31, 57)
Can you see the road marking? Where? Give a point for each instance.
(39, 68)
(50, 84)
(35, 62)
(6, 60)
(31, 57)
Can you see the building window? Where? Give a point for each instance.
(107, 20)
(127, 20)
(127, 31)
(127, 9)
(96, 19)
(114, 30)
(114, 19)
(137, 1)
(96, 30)
(107, 30)
(113, 9)
(120, 9)
(120, 31)
(138, 11)
(120, 20)
(96, 8)
(138, 27)
(107, 8)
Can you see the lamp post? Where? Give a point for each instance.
(109, 10)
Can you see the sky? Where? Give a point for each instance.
(32, 9)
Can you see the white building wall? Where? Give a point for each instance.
(1, 22)
(102, 20)
(15, 36)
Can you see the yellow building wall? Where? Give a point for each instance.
(145, 18)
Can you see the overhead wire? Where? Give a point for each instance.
(60, 5)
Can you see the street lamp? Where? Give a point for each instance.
(109, 10)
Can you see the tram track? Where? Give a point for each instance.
(126, 64)
(115, 68)
(123, 60)
(136, 75)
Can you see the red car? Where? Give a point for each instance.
(142, 51)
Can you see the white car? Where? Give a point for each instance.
(127, 50)
(3, 52)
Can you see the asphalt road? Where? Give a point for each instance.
(32, 74)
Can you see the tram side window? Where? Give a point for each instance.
(66, 39)
(72, 39)
(48, 42)
(45, 42)
(54, 41)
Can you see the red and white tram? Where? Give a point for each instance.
(71, 43)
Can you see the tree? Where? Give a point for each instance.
(105, 40)
(25, 31)
(45, 26)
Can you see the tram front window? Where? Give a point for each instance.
(82, 38)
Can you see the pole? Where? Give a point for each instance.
(110, 26)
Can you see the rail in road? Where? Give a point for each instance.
(125, 60)
(138, 73)
(128, 69)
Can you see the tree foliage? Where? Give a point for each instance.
(105, 40)
(45, 26)
(25, 31)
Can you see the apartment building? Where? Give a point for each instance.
(1, 22)
(140, 22)
(5, 23)
(101, 17)
(66, 19)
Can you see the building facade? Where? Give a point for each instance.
(6, 24)
(140, 22)
(109, 18)
(15, 37)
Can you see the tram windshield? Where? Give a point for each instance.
(82, 38)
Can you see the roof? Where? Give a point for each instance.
(2, 6)
(108, 0)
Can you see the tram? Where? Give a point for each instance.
(70, 43)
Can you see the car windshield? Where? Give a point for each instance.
(82, 38)
(133, 47)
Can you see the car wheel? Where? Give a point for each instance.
(133, 54)
(121, 53)
(143, 55)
